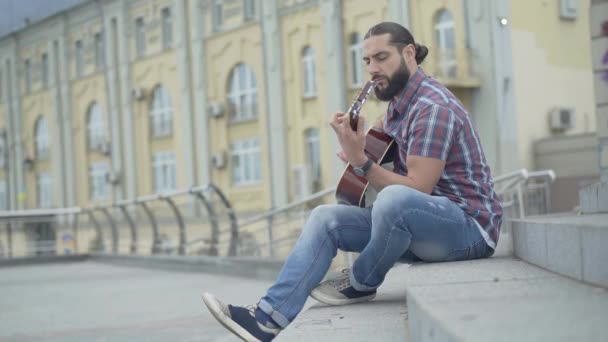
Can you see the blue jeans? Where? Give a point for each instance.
(403, 225)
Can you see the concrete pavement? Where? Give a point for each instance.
(88, 301)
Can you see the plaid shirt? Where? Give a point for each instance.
(427, 120)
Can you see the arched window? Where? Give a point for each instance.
(161, 113)
(356, 56)
(42, 139)
(96, 127)
(309, 72)
(242, 94)
(446, 45)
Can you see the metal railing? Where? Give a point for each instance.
(522, 193)
(113, 219)
(118, 228)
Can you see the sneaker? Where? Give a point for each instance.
(339, 291)
(240, 320)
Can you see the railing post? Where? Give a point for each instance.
(520, 200)
(180, 223)
(234, 228)
(270, 237)
(75, 230)
(125, 213)
(215, 229)
(9, 238)
(154, 225)
(102, 245)
(108, 216)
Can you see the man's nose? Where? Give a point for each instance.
(373, 68)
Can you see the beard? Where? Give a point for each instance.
(395, 83)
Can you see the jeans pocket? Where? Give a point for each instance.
(480, 249)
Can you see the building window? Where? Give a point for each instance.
(45, 70)
(243, 94)
(42, 141)
(100, 60)
(98, 184)
(309, 72)
(249, 9)
(163, 171)
(313, 154)
(3, 196)
(96, 127)
(356, 56)
(444, 31)
(28, 76)
(246, 164)
(1, 87)
(218, 14)
(45, 190)
(167, 28)
(161, 113)
(79, 54)
(140, 37)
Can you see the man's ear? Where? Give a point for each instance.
(409, 52)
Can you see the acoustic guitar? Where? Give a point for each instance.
(379, 147)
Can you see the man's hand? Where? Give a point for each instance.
(352, 142)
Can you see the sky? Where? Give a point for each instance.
(13, 13)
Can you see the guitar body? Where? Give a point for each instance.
(351, 188)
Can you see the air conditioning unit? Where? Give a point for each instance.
(216, 109)
(218, 160)
(568, 9)
(104, 148)
(113, 177)
(561, 118)
(137, 94)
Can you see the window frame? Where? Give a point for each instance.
(246, 165)
(140, 37)
(96, 130)
(355, 52)
(44, 190)
(164, 172)
(167, 28)
(242, 94)
(42, 139)
(98, 183)
(309, 72)
(161, 113)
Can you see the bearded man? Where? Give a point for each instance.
(437, 204)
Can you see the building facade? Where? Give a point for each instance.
(115, 99)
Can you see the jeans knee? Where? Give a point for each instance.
(322, 219)
(393, 199)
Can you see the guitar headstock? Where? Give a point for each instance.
(358, 101)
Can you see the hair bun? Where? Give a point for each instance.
(421, 52)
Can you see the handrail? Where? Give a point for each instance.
(287, 207)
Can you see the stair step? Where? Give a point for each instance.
(502, 299)
(571, 245)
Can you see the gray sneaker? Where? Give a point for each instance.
(339, 291)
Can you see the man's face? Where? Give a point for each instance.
(386, 65)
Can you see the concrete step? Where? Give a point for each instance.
(383, 319)
(502, 299)
(571, 245)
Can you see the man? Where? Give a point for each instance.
(437, 205)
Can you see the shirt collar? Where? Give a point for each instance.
(399, 104)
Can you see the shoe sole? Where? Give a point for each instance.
(226, 321)
(319, 296)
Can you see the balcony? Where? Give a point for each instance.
(454, 68)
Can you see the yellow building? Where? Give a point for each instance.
(115, 99)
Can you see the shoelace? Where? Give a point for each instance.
(341, 282)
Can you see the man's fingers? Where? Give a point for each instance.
(361, 125)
